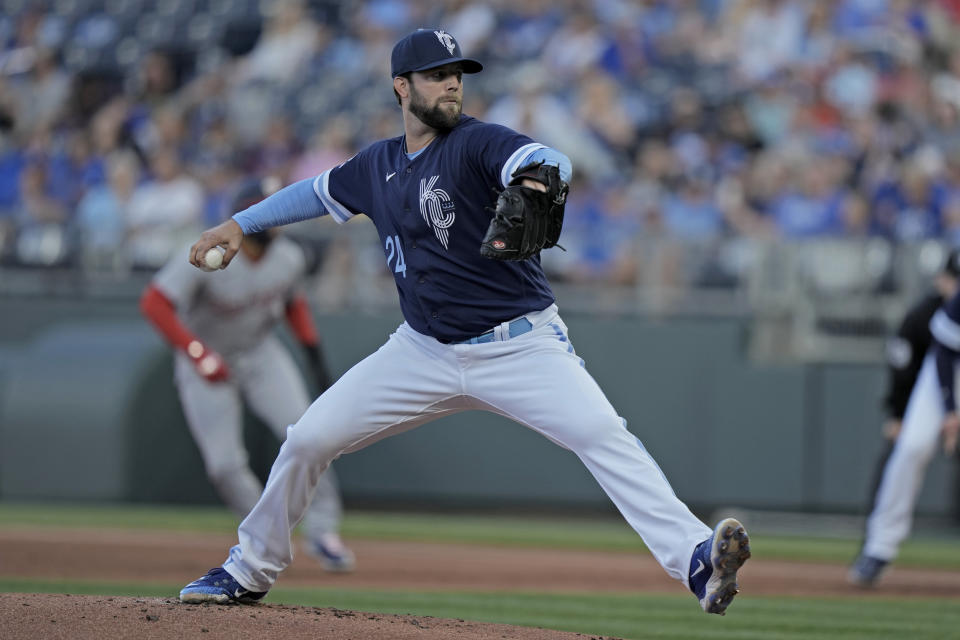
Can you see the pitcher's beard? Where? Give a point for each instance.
(434, 117)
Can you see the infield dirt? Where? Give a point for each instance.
(177, 558)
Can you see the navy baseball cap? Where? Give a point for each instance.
(428, 48)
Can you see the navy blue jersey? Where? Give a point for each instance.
(431, 214)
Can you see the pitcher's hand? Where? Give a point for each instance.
(226, 234)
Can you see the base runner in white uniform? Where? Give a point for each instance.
(221, 325)
(480, 333)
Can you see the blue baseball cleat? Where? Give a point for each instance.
(866, 571)
(334, 556)
(714, 566)
(218, 587)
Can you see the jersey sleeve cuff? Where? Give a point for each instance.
(321, 187)
(516, 160)
(536, 152)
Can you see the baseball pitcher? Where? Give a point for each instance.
(481, 329)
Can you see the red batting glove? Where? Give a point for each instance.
(208, 362)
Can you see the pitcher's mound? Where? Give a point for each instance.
(29, 616)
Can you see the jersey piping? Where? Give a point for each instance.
(321, 186)
(515, 161)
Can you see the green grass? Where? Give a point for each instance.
(632, 616)
(601, 533)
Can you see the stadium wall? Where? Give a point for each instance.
(88, 412)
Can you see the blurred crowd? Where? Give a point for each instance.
(125, 125)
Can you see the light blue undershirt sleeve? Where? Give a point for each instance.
(554, 157)
(293, 203)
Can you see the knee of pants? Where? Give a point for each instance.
(593, 432)
(312, 443)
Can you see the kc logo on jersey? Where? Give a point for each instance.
(446, 40)
(436, 207)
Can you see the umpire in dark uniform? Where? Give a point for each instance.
(905, 353)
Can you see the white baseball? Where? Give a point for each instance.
(213, 258)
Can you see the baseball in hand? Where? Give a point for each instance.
(213, 258)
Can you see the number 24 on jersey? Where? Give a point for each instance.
(394, 249)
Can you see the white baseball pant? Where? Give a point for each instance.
(267, 377)
(889, 523)
(535, 379)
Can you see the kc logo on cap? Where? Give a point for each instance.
(419, 52)
(446, 40)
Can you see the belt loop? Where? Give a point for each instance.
(501, 332)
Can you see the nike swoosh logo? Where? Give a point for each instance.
(699, 569)
(390, 175)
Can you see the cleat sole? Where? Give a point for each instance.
(731, 553)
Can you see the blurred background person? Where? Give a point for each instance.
(163, 211)
(220, 325)
(103, 212)
(750, 96)
(42, 220)
(904, 356)
(927, 416)
(289, 38)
